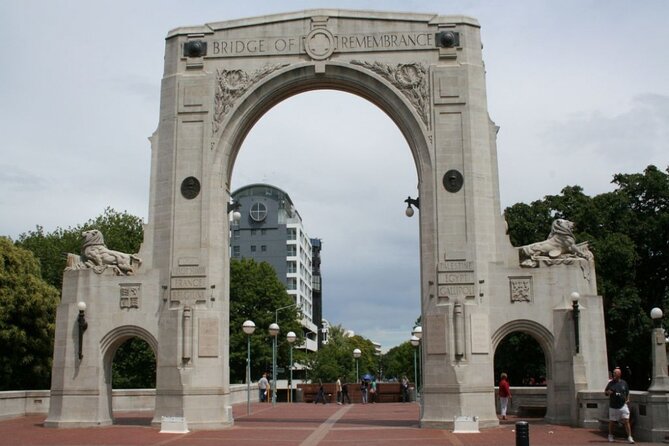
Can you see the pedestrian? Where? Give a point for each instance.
(344, 393)
(338, 390)
(363, 391)
(504, 394)
(320, 396)
(373, 391)
(404, 387)
(618, 392)
(263, 385)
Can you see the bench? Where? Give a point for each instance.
(532, 410)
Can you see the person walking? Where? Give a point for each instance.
(504, 394)
(618, 392)
(263, 385)
(404, 387)
(373, 391)
(363, 391)
(344, 393)
(340, 399)
(320, 397)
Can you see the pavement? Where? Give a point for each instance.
(297, 424)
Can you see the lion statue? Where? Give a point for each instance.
(96, 255)
(560, 244)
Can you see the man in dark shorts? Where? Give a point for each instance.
(618, 392)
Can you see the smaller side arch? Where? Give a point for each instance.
(540, 333)
(110, 342)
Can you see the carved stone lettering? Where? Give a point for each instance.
(462, 277)
(188, 282)
(451, 291)
(456, 265)
(188, 295)
(189, 271)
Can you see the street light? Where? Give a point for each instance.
(234, 208)
(356, 355)
(83, 325)
(418, 332)
(415, 341)
(290, 337)
(574, 299)
(660, 380)
(410, 201)
(249, 327)
(273, 332)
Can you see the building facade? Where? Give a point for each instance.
(270, 230)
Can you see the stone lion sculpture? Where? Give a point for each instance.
(560, 245)
(97, 256)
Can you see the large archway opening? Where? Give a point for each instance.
(347, 177)
(129, 355)
(523, 353)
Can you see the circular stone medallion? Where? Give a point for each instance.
(190, 188)
(453, 180)
(319, 44)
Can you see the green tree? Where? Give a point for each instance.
(335, 359)
(122, 232)
(628, 230)
(520, 345)
(255, 294)
(134, 366)
(398, 361)
(27, 313)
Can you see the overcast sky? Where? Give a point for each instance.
(580, 90)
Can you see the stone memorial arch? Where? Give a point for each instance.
(424, 71)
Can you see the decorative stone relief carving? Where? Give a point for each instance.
(411, 79)
(521, 289)
(96, 256)
(231, 85)
(560, 247)
(130, 295)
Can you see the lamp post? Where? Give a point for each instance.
(290, 337)
(575, 313)
(249, 327)
(418, 332)
(660, 380)
(83, 325)
(356, 355)
(415, 341)
(273, 332)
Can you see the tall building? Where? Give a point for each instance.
(317, 291)
(271, 231)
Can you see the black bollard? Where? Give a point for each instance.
(522, 433)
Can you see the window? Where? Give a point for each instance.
(263, 231)
(235, 251)
(263, 248)
(292, 250)
(258, 211)
(253, 248)
(291, 267)
(253, 232)
(292, 234)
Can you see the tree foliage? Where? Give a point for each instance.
(398, 361)
(134, 366)
(628, 230)
(255, 294)
(27, 314)
(335, 359)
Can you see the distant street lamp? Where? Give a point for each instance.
(249, 327)
(290, 337)
(273, 332)
(415, 341)
(82, 325)
(660, 380)
(418, 332)
(575, 313)
(356, 355)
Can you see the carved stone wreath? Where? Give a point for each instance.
(230, 86)
(410, 79)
